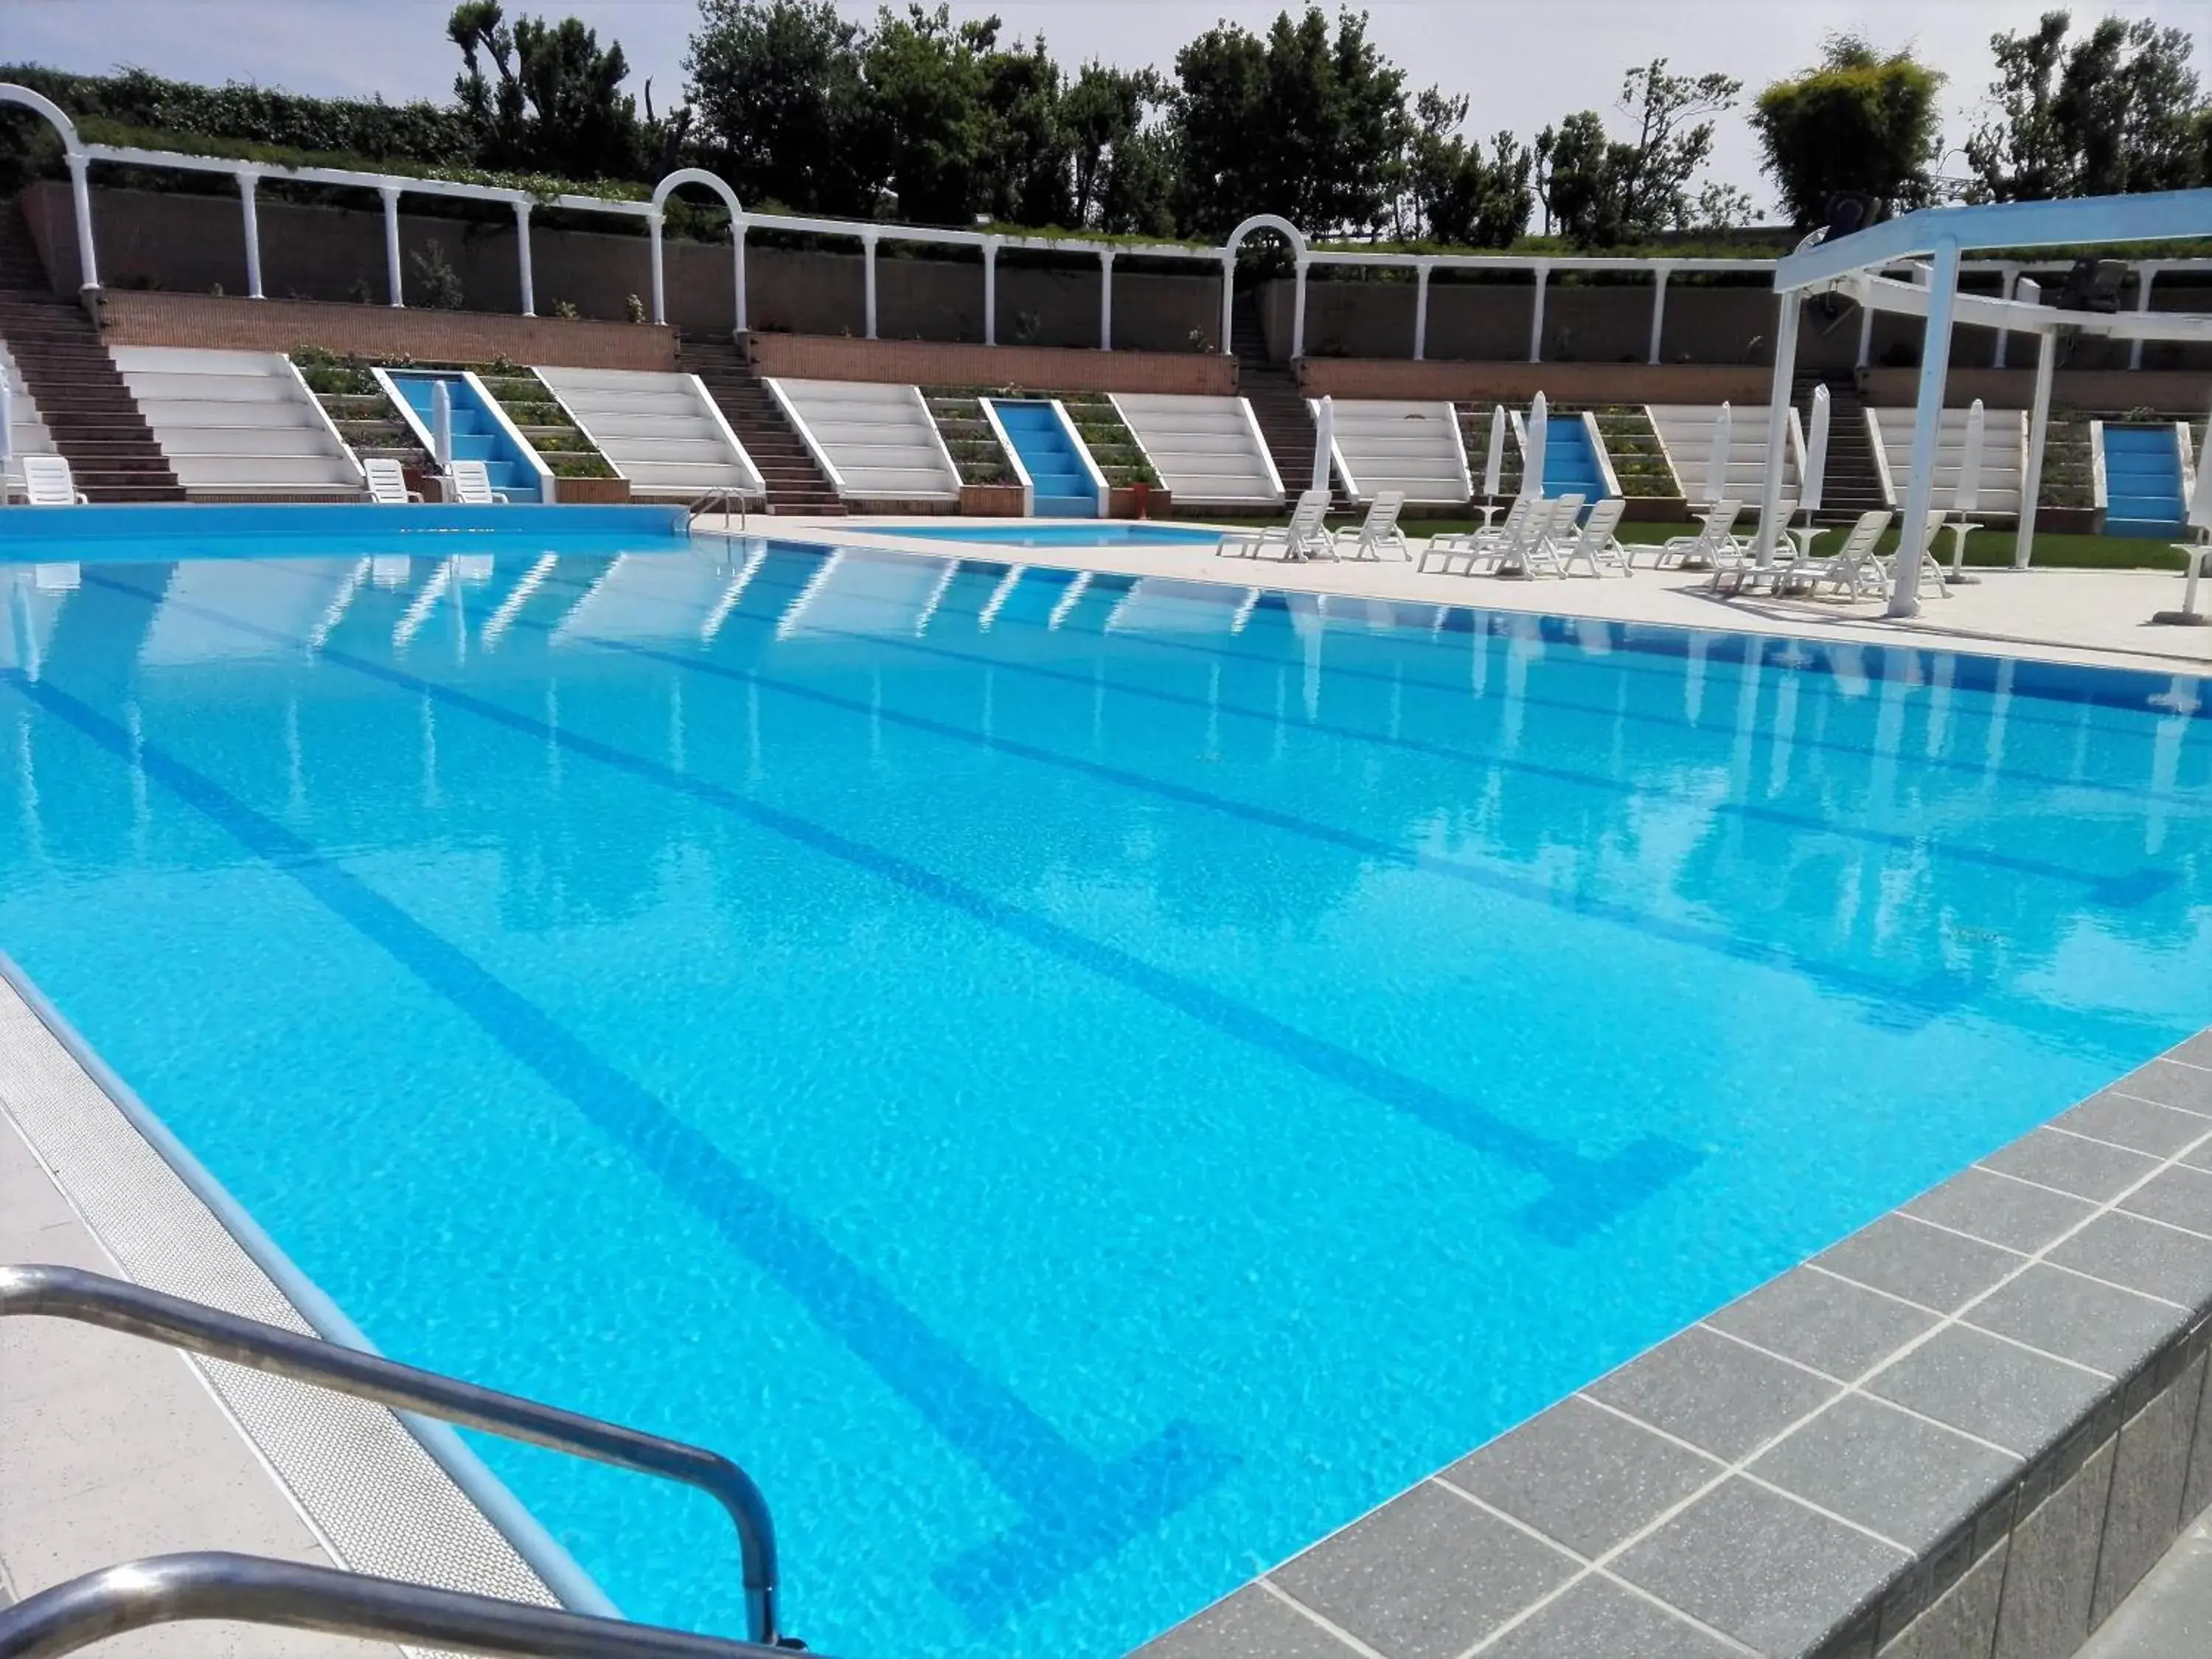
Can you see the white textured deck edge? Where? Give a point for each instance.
(377, 1501)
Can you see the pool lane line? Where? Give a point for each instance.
(2120, 892)
(1076, 1508)
(1585, 1192)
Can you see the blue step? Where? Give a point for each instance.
(2142, 482)
(1060, 486)
(478, 435)
(1570, 466)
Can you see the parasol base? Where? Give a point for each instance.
(2181, 619)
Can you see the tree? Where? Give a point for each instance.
(1028, 164)
(1600, 192)
(1453, 195)
(777, 88)
(927, 129)
(1855, 121)
(1306, 124)
(1120, 175)
(2117, 111)
(554, 101)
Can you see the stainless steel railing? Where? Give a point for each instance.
(166, 1590)
(114, 1304)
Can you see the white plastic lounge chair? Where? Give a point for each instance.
(472, 484)
(1930, 574)
(1304, 538)
(1538, 553)
(387, 483)
(1714, 542)
(47, 482)
(1475, 544)
(1379, 530)
(1850, 568)
(1596, 549)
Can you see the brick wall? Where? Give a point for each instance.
(2015, 388)
(918, 362)
(1517, 383)
(379, 332)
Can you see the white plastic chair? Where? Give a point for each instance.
(1379, 530)
(1852, 566)
(1929, 573)
(387, 483)
(472, 484)
(48, 482)
(1596, 548)
(1475, 544)
(1538, 553)
(1714, 542)
(1304, 538)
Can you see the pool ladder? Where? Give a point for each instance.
(169, 1589)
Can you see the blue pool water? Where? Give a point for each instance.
(1081, 1085)
(1020, 532)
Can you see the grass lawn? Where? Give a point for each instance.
(1984, 547)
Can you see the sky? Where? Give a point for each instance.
(1523, 63)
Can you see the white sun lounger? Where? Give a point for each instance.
(1595, 548)
(387, 483)
(472, 484)
(1304, 538)
(48, 482)
(1379, 530)
(1476, 544)
(1714, 543)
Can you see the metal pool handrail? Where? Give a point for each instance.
(95, 1299)
(166, 1589)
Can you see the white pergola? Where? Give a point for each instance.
(1930, 243)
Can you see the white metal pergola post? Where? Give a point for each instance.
(1778, 425)
(88, 264)
(1421, 310)
(991, 290)
(1658, 309)
(1298, 312)
(1228, 301)
(394, 286)
(1920, 487)
(1106, 299)
(2146, 274)
(739, 221)
(247, 184)
(653, 230)
(868, 266)
(1537, 315)
(2011, 280)
(1866, 337)
(2038, 435)
(522, 258)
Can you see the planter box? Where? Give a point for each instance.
(991, 500)
(2070, 521)
(1655, 509)
(597, 492)
(1121, 503)
(424, 482)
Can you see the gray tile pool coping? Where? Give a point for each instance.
(1968, 1429)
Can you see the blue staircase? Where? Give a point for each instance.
(1569, 464)
(2142, 482)
(477, 435)
(1047, 448)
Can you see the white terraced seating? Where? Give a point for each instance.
(876, 441)
(1686, 432)
(236, 422)
(1207, 450)
(26, 427)
(2004, 457)
(1412, 448)
(662, 431)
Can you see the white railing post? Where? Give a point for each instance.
(1866, 336)
(88, 263)
(2146, 274)
(1777, 426)
(990, 291)
(1420, 311)
(1537, 315)
(1298, 313)
(247, 178)
(394, 282)
(737, 257)
(1658, 312)
(868, 264)
(2038, 435)
(1920, 487)
(1228, 304)
(522, 258)
(2004, 334)
(1106, 300)
(653, 229)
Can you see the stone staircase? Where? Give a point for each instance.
(1277, 404)
(1853, 484)
(794, 483)
(94, 422)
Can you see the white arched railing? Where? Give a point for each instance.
(1291, 234)
(720, 186)
(73, 151)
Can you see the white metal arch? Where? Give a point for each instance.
(720, 186)
(74, 153)
(1291, 234)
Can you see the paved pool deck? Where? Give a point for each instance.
(2093, 617)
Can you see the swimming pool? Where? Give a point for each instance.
(1023, 532)
(1081, 1084)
